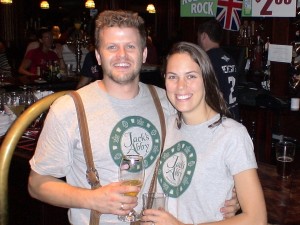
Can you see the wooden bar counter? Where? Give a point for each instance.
(282, 195)
(18, 82)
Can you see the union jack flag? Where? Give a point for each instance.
(229, 13)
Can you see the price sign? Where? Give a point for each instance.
(269, 8)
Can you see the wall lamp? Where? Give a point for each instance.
(44, 5)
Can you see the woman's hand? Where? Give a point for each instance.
(158, 217)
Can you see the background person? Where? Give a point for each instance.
(210, 36)
(90, 71)
(57, 40)
(38, 57)
(4, 63)
(206, 153)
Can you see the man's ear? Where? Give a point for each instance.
(204, 35)
(145, 53)
(98, 57)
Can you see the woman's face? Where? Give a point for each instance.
(184, 84)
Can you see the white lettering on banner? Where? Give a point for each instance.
(205, 7)
(188, 1)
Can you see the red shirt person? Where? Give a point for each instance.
(40, 56)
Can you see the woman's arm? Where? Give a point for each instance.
(251, 199)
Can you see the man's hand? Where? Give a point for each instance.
(111, 199)
(231, 207)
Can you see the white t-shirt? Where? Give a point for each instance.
(70, 56)
(197, 167)
(116, 127)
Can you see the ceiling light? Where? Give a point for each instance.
(151, 8)
(90, 4)
(6, 1)
(44, 5)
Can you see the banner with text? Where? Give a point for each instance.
(198, 8)
(269, 8)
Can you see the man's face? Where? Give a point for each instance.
(200, 37)
(47, 39)
(120, 54)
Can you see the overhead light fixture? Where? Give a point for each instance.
(44, 5)
(151, 8)
(90, 4)
(6, 1)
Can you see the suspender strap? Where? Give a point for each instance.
(163, 134)
(160, 114)
(91, 172)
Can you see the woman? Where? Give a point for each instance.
(206, 152)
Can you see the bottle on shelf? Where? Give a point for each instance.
(258, 51)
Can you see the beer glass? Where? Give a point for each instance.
(285, 153)
(131, 172)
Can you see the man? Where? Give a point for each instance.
(122, 119)
(210, 34)
(41, 56)
(90, 71)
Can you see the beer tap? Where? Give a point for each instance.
(79, 39)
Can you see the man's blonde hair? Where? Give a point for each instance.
(120, 18)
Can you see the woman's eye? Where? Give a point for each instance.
(191, 76)
(170, 77)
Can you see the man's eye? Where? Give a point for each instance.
(131, 46)
(111, 47)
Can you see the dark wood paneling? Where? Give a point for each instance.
(279, 74)
(167, 23)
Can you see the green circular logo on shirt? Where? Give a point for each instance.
(135, 135)
(176, 168)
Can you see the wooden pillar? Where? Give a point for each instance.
(279, 71)
(7, 31)
(12, 30)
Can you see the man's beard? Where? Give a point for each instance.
(125, 79)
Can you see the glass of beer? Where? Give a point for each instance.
(285, 154)
(131, 172)
(154, 201)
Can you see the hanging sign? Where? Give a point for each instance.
(269, 8)
(198, 8)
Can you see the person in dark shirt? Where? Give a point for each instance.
(90, 71)
(210, 34)
(4, 63)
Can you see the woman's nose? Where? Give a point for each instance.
(181, 83)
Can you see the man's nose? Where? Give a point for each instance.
(121, 52)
